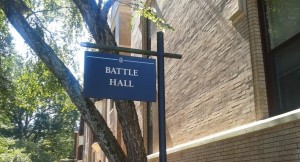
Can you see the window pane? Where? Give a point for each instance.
(283, 20)
(288, 58)
(288, 73)
(290, 90)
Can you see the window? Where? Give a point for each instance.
(283, 20)
(280, 24)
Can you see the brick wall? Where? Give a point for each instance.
(219, 83)
(259, 82)
(213, 87)
(278, 140)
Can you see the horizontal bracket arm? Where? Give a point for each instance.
(129, 50)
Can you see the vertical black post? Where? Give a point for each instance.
(161, 97)
(75, 146)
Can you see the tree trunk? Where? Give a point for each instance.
(127, 115)
(86, 107)
(100, 31)
(131, 131)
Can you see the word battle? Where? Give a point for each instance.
(121, 71)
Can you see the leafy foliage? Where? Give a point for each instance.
(8, 152)
(36, 115)
(39, 115)
(6, 70)
(59, 23)
(36, 112)
(142, 9)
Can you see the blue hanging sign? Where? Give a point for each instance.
(112, 76)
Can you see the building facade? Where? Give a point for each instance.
(235, 94)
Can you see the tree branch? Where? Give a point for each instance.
(106, 8)
(39, 11)
(132, 134)
(21, 4)
(95, 22)
(86, 107)
(100, 4)
(126, 109)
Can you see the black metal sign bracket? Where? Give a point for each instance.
(161, 82)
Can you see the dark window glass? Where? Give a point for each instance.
(283, 27)
(288, 75)
(290, 90)
(283, 20)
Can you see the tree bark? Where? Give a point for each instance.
(100, 31)
(86, 107)
(95, 22)
(127, 115)
(132, 135)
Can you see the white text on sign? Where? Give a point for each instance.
(121, 71)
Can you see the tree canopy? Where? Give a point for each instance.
(37, 92)
(36, 115)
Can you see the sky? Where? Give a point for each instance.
(21, 49)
